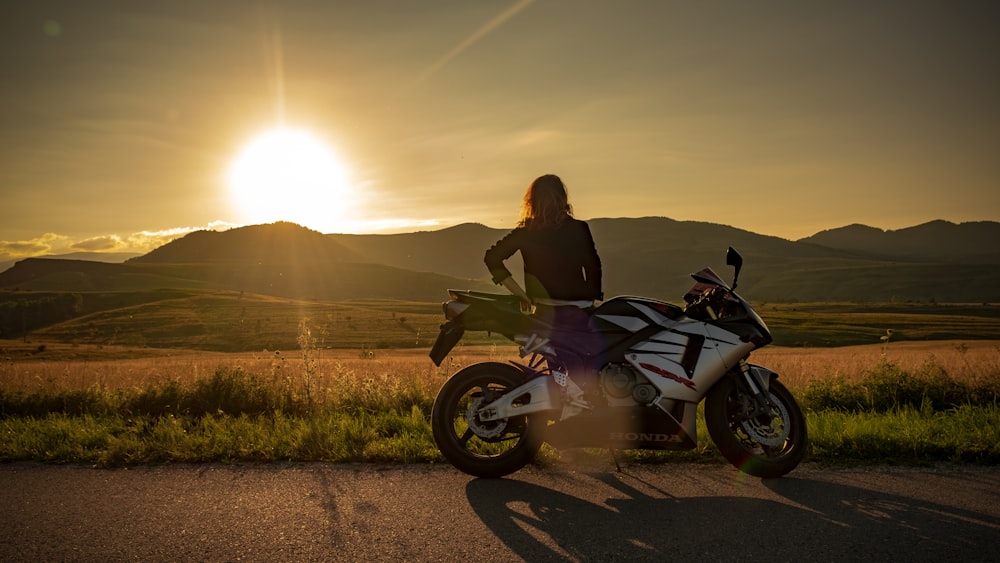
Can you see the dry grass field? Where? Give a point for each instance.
(967, 361)
(66, 367)
(71, 368)
(906, 402)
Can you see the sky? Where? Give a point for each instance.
(122, 122)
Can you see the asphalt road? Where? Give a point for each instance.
(322, 512)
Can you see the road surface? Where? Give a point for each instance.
(325, 512)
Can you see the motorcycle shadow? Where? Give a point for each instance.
(628, 517)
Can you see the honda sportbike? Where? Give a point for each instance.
(637, 388)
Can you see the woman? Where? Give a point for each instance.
(562, 275)
(561, 265)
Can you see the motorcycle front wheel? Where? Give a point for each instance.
(483, 448)
(760, 444)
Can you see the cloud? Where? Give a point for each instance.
(145, 241)
(140, 242)
(105, 243)
(44, 244)
(16, 249)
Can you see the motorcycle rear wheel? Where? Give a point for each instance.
(477, 447)
(768, 446)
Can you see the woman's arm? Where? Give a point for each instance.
(502, 250)
(592, 266)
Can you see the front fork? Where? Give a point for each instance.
(757, 381)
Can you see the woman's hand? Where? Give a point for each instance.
(527, 307)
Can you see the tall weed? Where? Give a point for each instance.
(886, 387)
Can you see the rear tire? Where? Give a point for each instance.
(483, 448)
(768, 446)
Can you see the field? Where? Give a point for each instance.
(188, 376)
(230, 321)
(894, 402)
(847, 324)
(78, 368)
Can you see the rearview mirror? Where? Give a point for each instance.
(734, 259)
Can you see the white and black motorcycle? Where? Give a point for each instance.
(654, 363)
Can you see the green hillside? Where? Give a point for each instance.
(299, 280)
(876, 282)
(231, 322)
(845, 324)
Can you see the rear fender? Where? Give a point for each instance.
(451, 332)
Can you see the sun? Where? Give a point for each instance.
(290, 175)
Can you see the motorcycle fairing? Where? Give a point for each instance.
(680, 356)
(668, 375)
(625, 428)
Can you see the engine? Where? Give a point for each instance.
(624, 386)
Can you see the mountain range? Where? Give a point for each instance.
(974, 242)
(651, 256)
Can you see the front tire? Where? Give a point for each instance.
(768, 445)
(483, 448)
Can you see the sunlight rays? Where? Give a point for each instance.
(472, 40)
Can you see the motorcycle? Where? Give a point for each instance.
(654, 363)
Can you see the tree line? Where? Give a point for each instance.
(21, 314)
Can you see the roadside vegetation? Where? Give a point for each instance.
(900, 403)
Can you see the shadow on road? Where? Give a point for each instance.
(807, 520)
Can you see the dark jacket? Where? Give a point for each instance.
(559, 263)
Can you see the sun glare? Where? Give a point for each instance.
(290, 175)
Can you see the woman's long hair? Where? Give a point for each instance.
(545, 203)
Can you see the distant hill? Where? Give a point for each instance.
(936, 241)
(455, 251)
(654, 256)
(276, 243)
(282, 259)
(638, 255)
(114, 257)
(651, 256)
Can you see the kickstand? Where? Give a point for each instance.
(614, 456)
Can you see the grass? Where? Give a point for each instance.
(118, 440)
(907, 403)
(907, 435)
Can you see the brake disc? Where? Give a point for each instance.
(768, 434)
(483, 429)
